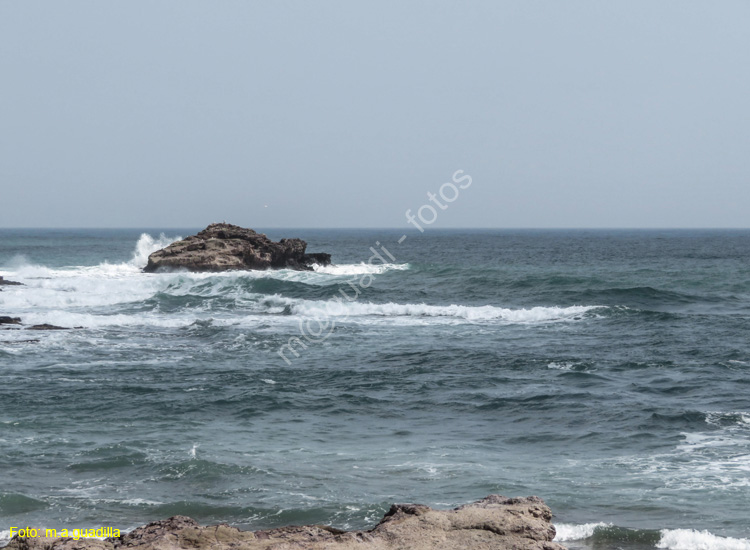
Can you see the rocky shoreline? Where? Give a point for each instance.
(493, 523)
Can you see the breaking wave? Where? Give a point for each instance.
(147, 245)
(468, 313)
(606, 535)
(568, 532)
(22, 269)
(690, 539)
(74, 296)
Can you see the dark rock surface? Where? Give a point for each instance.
(6, 282)
(493, 523)
(10, 320)
(17, 321)
(45, 326)
(225, 247)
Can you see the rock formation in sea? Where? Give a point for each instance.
(493, 523)
(47, 326)
(225, 247)
(6, 282)
(5, 320)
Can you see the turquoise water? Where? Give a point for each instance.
(605, 371)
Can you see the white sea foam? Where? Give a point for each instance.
(716, 459)
(92, 321)
(561, 366)
(568, 531)
(127, 502)
(84, 286)
(21, 268)
(140, 502)
(4, 537)
(719, 448)
(690, 539)
(146, 245)
(359, 269)
(83, 296)
(719, 418)
(670, 539)
(466, 313)
(64, 310)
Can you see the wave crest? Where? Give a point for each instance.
(469, 313)
(147, 245)
(691, 539)
(567, 532)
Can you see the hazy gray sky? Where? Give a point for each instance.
(345, 114)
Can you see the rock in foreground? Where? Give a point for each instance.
(225, 247)
(491, 523)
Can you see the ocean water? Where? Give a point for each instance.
(606, 371)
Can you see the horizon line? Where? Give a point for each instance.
(402, 228)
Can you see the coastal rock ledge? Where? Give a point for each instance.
(493, 523)
(225, 247)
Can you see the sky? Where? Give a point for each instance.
(347, 114)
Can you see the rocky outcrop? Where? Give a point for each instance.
(493, 523)
(9, 320)
(17, 321)
(6, 282)
(225, 247)
(46, 326)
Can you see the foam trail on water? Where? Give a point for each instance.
(690, 539)
(568, 532)
(361, 268)
(469, 313)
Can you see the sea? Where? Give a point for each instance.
(606, 371)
